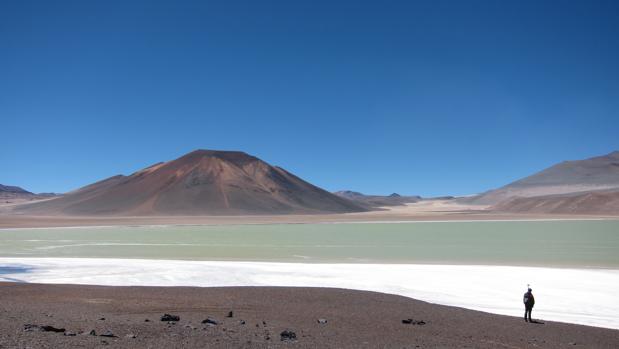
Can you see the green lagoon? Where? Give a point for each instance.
(585, 243)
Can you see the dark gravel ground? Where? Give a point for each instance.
(350, 319)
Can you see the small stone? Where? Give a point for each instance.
(230, 314)
(47, 328)
(322, 321)
(102, 318)
(30, 327)
(168, 317)
(131, 335)
(93, 333)
(210, 321)
(107, 333)
(242, 322)
(413, 322)
(146, 320)
(288, 335)
(70, 334)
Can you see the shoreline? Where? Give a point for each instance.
(336, 262)
(494, 289)
(10, 222)
(350, 319)
(576, 219)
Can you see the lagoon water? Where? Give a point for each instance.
(587, 243)
(573, 266)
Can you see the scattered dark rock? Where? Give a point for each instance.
(171, 323)
(168, 317)
(104, 342)
(107, 333)
(210, 321)
(230, 314)
(288, 335)
(264, 323)
(52, 329)
(102, 319)
(413, 322)
(242, 322)
(44, 328)
(146, 320)
(31, 327)
(131, 335)
(47, 328)
(93, 333)
(70, 334)
(322, 321)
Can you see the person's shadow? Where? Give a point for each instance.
(536, 322)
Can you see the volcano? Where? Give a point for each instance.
(203, 182)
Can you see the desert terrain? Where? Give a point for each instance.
(262, 317)
(427, 210)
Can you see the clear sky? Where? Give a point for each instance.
(430, 98)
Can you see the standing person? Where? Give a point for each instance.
(529, 302)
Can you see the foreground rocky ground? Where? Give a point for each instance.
(72, 316)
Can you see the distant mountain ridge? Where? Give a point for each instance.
(376, 201)
(203, 182)
(10, 192)
(593, 174)
(8, 189)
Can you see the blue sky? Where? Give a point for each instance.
(430, 98)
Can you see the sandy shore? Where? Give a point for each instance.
(354, 319)
(18, 221)
(428, 210)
